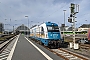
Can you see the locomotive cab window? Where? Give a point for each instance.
(52, 28)
(42, 30)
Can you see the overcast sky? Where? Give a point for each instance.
(13, 12)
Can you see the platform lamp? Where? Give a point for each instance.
(28, 26)
(64, 25)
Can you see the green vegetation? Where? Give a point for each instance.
(6, 37)
(1, 39)
(77, 32)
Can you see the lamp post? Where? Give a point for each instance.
(8, 24)
(64, 24)
(14, 27)
(64, 15)
(31, 22)
(39, 29)
(28, 25)
(5, 24)
(86, 24)
(7, 28)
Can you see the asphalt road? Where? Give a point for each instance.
(25, 51)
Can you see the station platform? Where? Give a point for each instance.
(29, 50)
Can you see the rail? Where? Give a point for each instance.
(85, 46)
(65, 54)
(5, 44)
(68, 55)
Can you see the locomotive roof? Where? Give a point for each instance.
(49, 24)
(33, 26)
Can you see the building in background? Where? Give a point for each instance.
(22, 29)
(1, 28)
(84, 27)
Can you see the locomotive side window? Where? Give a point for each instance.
(49, 28)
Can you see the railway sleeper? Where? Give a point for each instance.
(84, 47)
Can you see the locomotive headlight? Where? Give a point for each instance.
(52, 24)
(46, 35)
(49, 42)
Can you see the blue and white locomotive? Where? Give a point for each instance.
(47, 33)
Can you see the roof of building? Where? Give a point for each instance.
(85, 26)
(22, 27)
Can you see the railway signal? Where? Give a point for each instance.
(72, 17)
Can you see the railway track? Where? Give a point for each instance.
(5, 44)
(68, 55)
(6, 48)
(65, 54)
(85, 46)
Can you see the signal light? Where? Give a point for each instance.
(72, 7)
(70, 20)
